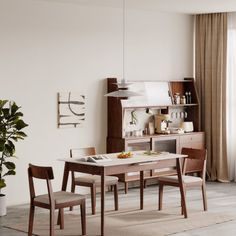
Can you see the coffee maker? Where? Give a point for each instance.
(162, 123)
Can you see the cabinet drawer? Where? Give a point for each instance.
(138, 144)
(193, 138)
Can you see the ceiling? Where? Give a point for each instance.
(189, 6)
(174, 6)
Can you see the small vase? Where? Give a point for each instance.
(3, 205)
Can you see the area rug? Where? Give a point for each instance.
(126, 222)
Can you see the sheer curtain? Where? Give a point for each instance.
(231, 96)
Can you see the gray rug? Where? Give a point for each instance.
(126, 222)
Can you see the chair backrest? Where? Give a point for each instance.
(40, 172)
(195, 162)
(80, 152)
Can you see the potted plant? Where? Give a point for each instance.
(11, 125)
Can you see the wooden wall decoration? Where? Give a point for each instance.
(71, 109)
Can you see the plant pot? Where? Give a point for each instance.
(3, 205)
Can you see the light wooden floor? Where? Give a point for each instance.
(221, 197)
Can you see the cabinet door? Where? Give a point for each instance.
(195, 140)
(166, 144)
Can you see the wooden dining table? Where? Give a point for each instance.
(140, 161)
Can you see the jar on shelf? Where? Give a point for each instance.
(183, 100)
(177, 98)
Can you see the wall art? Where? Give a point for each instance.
(71, 109)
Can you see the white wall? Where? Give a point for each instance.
(46, 47)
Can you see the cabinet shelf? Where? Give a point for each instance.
(144, 107)
(184, 105)
(160, 107)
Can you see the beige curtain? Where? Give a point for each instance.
(211, 48)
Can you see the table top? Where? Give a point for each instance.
(138, 157)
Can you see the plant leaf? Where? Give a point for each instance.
(20, 133)
(20, 124)
(2, 183)
(14, 108)
(6, 112)
(9, 165)
(2, 103)
(10, 172)
(3, 128)
(14, 138)
(2, 144)
(9, 150)
(10, 143)
(15, 117)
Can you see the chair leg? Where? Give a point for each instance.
(51, 222)
(72, 190)
(182, 210)
(116, 197)
(204, 196)
(110, 188)
(31, 220)
(61, 214)
(83, 217)
(126, 187)
(93, 199)
(59, 218)
(145, 183)
(161, 187)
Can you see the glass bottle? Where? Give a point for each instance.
(189, 97)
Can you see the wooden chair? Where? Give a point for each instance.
(92, 181)
(52, 200)
(194, 163)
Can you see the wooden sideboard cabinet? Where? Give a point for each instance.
(119, 109)
(193, 140)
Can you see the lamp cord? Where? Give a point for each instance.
(124, 38)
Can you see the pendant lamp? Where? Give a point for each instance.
(123, 86)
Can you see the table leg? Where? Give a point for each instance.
(181, 186)
(65, 177)
(141, 189)
(102, 201)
